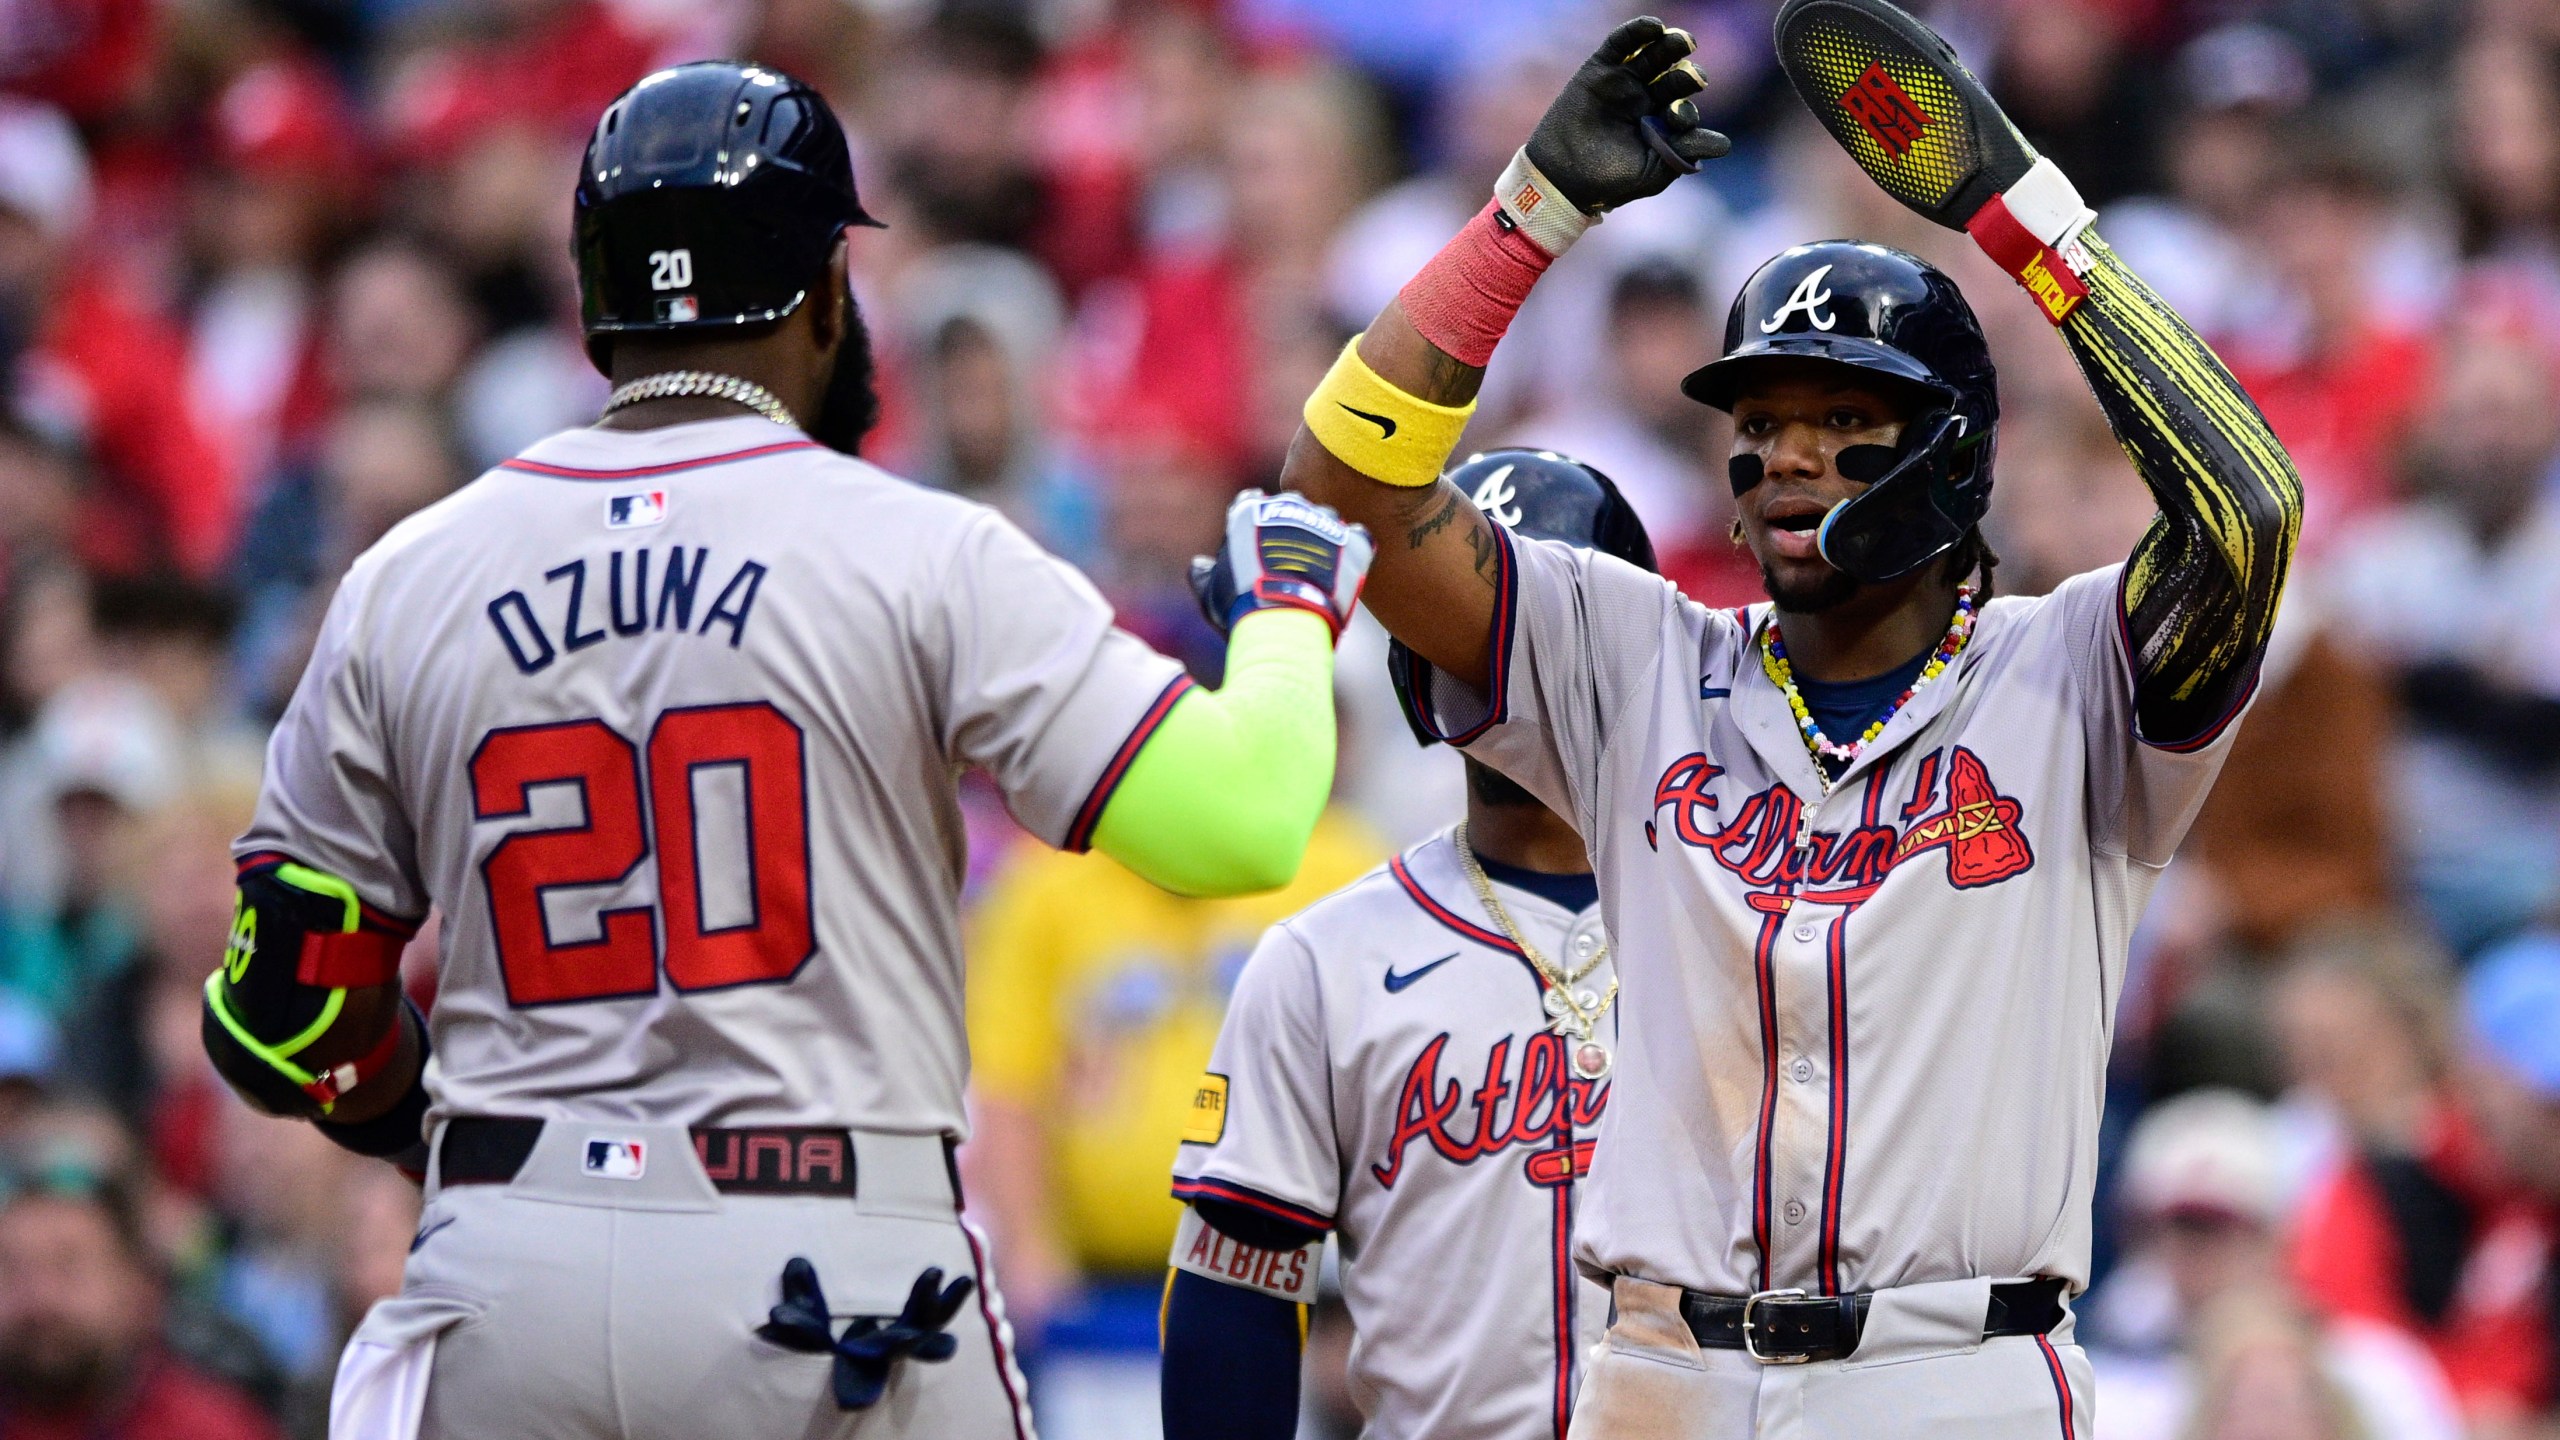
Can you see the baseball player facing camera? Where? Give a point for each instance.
(1420, 1056)
(662, 717)
(1868, 854)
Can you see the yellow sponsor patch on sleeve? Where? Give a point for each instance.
(1207, 1121)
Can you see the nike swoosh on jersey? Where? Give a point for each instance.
(429, 1233)
(1386, 427)
(1396, 982)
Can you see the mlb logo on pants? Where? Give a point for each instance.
(616, 1159)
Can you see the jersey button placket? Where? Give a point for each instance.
(1803, 1108)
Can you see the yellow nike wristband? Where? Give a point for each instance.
(1379, 430)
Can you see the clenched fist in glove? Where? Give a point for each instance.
(1624, 126)
(1282, 550)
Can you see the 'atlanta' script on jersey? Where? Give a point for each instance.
(1766, 843)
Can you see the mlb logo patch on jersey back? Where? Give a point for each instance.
(630, 512)
(609, 1159)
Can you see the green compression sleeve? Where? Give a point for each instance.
(1221, 799)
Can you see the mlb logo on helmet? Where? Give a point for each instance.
(609, 1159)
(630, 512)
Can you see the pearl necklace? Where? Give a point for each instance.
(671, 384)
(1570, 1013)
(1773, 660)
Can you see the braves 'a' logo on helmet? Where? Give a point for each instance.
(1809, 297)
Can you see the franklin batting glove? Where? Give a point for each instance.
(1282, 550)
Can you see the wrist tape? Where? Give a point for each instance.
(1536, 208)
(1379, 430)
(2032, 230)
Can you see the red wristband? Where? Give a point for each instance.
(2036, 265)
(1464, 299)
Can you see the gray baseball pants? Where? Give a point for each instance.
(581, 1302)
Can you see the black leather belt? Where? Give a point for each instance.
(1789, 1327)
(741, 1160)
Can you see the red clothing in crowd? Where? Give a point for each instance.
(1168, 352)
(87, 56)
(2342, 418)
(172, 1403)
(115, 375)
(2493, 1337)
(556, 75)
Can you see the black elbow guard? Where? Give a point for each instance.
(399, 1133)
(300, 940)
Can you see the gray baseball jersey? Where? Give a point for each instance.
(1386, 1071)
(665, 724)
(1866, 1028)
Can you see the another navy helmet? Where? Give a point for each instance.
(1545, 496)
(1890, 313)
(711, 196)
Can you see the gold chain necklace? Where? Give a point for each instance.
(671, 384)
(1570, 1013)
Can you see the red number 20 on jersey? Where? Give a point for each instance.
(626, 802)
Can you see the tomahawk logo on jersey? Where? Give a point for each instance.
(1386, 1071)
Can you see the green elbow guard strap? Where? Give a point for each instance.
(300, 940)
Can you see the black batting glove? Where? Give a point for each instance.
(1624, 127)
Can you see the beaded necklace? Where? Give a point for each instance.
(1773, 659)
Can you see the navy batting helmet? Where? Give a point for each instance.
(1889, 313)
(1544, 496)
(711, 196)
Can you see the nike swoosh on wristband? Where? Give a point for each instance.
(1396, 982)
(1386, 427)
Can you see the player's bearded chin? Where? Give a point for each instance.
(852, 404)
(1809, 595)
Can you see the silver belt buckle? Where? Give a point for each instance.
(1753, 1350)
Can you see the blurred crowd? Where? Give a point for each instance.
(276, 273)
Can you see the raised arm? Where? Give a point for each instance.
(1380, 427)
(2200, 591)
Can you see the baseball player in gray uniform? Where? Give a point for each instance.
(662, 717)
(1419, 1057)
(1869, 853)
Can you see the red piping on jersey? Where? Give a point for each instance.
(1089, 814)
(1204, 1189)
(1771, 922)
(1448, 917)
(995, 1336)
(1506, 598)
(2210, 733)
(642, 472)
(1561, 1233)
(2061, 1385)
(1836, 1145)
(396, 926)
